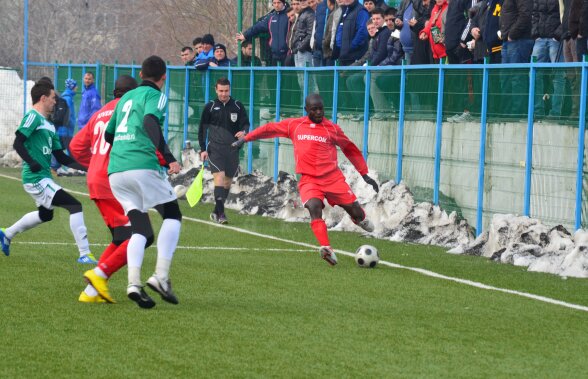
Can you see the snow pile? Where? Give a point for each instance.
(524, 241)
(510, 239)
(11, 87)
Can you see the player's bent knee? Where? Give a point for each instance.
(140, 224)
(120, 234)
(45, 214)
(171, 210)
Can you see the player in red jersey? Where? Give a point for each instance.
(315, 141)
(90, 149)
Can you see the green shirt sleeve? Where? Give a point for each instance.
(156, 104)
(29, 124)
(56, 143)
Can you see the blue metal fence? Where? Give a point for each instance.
(443, 71)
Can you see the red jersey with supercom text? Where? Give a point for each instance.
(90, 149)
(315, 145)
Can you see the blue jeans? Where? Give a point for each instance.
(300, 60)
(548, 50)
(514, 87)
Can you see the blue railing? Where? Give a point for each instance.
(443, 69)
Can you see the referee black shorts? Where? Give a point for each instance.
(223, 158)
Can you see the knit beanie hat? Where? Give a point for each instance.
(220, 46)
(70, 83)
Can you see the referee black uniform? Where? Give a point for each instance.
(218, 125)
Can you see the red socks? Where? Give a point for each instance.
(319, 228)
(113, 258)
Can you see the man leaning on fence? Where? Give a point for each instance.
(276, 24)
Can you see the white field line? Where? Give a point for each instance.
(384, 263)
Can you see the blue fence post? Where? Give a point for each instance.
(304, 88)
(581, 136)
(400, 136)
(366, 111)
(278, 100)
(335, 90)
(166, 121)
(115, 74)
(438, 133)
(186, 104)
(68, 72)
(251, 110)
(482, 161)
(56, 73)
(83, 70)
(207, 87)
(529, 144)
(25, 53)
(98, 77)
(133, 68)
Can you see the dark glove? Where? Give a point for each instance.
(371, 182)
(238, 143)
(35, 166)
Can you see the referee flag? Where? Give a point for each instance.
(194, 193)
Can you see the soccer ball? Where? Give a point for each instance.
(180, 190)
(367, 256)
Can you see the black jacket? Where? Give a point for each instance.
(303, 31)
(545, 19)
(379, 47)
(456, 21)
(220, 122)
(515, 19)
(578, 22)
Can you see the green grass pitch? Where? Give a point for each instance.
(251, 306)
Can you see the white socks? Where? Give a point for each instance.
(26, 222)
(78, 228)
(90, 291)
(167, 241)
(135, 253)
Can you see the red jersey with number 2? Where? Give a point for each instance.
(315, 145)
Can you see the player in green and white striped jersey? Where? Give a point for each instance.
(35, 142)
(138, 181)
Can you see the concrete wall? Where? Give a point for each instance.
(553, 176)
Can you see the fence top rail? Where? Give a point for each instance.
(444, 66)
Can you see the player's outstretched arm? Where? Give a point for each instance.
(22, 151)
(68, 161)
(371, 182)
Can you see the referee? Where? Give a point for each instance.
(223, 121)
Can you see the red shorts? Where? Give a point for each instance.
(332, 187)
(112, 212)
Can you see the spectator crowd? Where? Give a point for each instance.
(314, 33)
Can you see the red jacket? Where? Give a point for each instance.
(315, 145)
(437, 17)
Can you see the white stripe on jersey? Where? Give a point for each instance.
(162, 102)
(29, 120)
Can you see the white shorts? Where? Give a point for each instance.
(141, 189)
(42, 192)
